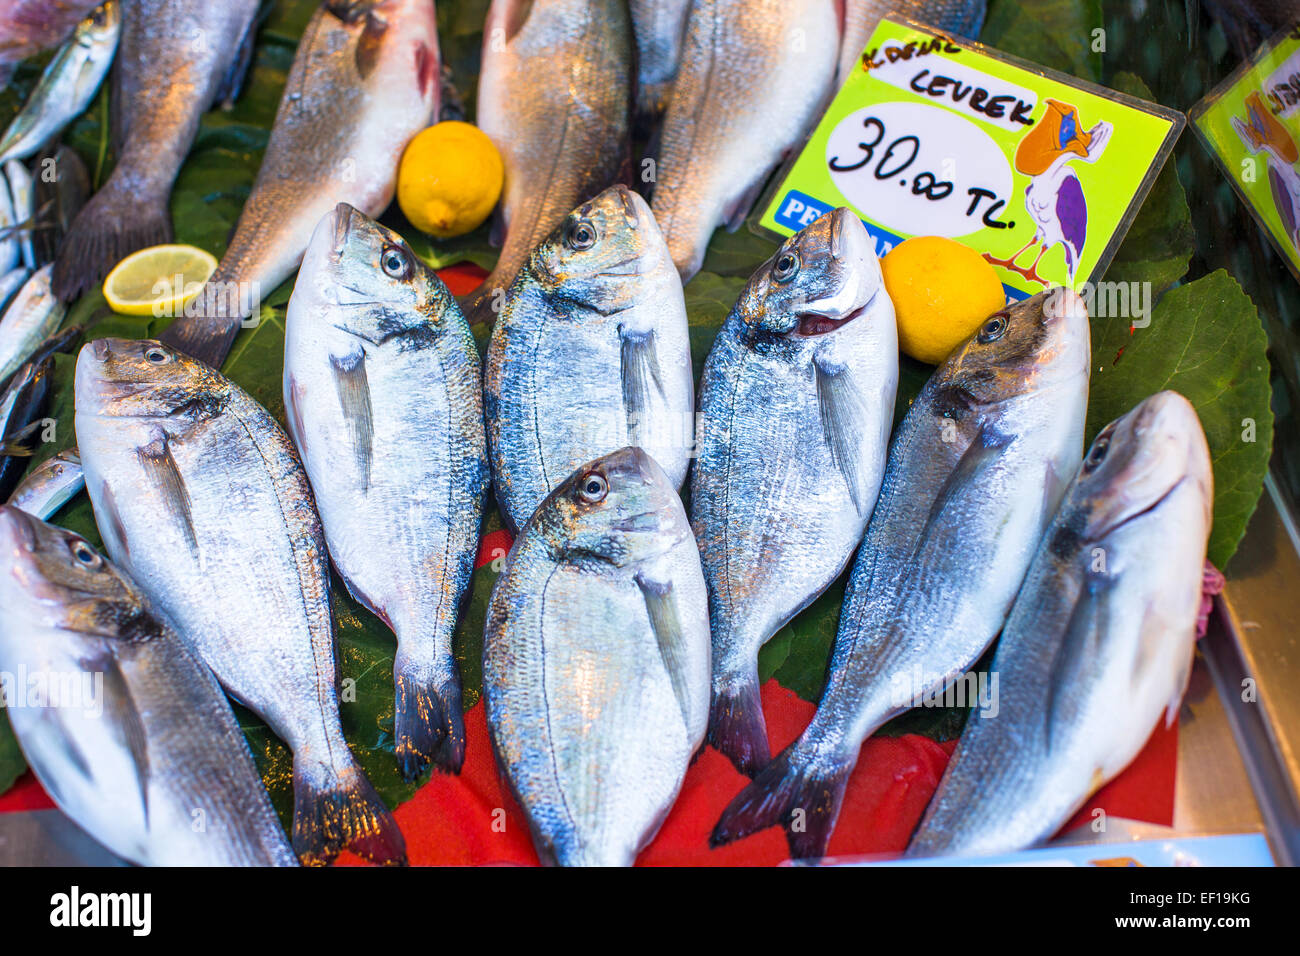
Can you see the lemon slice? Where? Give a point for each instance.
(159, 280)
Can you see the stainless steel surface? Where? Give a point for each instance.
(48, 838)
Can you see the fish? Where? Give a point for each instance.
(33, 315)
(69, 83)
(596, 661)
(22, 411)
(1097, 648)
(10, 231)
(11, 282)
(175, 59)
(796, 406)
(364, 81)
(555, 96)
(975, 472)
(754, 77)
(658, 26)
(963, 18)
(591, 352)
(137, 744)
(383, 386)
(61, 190)
(201, 499)
(31, 26)
(50, 485)
(23, 193)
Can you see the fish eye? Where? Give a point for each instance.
(581, 235)
(593, 487)
(156, 356)
(1097, 454)
(992, 330)
(787, 265)
(395, 262)
(84, 553)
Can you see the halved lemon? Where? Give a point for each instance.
(159, 280)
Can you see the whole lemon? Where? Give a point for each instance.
(449, 179)
(942, 292)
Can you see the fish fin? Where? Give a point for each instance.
(343, 813)
(1079, 647)
(206, 338)
(232, 84)
(666, 623)
(370, 43)
(735, 213)
(640, 370)
(110, 227)
(354, 398)
(802, 795)
(428, 723)
(737, 727)
(292, 396)
(109, 522)
(981, 455)
(157, 461)
(127, 720)
(844, 424)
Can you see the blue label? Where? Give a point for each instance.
(798, 211)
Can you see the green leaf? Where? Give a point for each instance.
(1054, 33)
(1205, 341)
(12, 763)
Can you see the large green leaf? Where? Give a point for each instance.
(1056, 33)
(12, 763)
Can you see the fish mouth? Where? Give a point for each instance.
(344, 214)
(16, 530)
(1127, 519)
(811, 324)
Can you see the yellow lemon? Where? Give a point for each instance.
(158, 280)
(942, 292)
(449, 179)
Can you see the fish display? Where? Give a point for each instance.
(975, 473)
(555, 97)
(49, 486)
(67, 86)
(364, 81)
(861, 17)
(22, 406)
(134, 740)
(201, 499)
(161, 88)
(30, 26)
(383, 388)
(1098, 646)
(658, 26)
(737, 62)
(596, 661)
(796, 404)
(591, 352)
(33, 315)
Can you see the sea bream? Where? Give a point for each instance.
(200, 497)
(796, 404)
(555, 97)
(134, 740)
(175, 59)
(596, 661)
(364, 81)
(754, 76)
(861, 17)
(383, 387)
(974, 475)
(591, 352)
(1098, 647)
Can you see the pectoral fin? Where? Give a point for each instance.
(1076, 653)
(641, 377)
(121, 709)
(667, 625)
(844, 424)
(160, 466)
(968, 477)
(354, 399)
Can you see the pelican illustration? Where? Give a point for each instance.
(1055, 197)
(1261, 132)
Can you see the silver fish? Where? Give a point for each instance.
(50, 485)
(10, 231)
(659, 26)
(30, 26)
(1099, 644)
(135, 740)
(975, 473)
(861, 17)
(555, 96)
(796, 404)
(11, 282)
(201, 498)
(383, 387)
(175, 59)
(23, 193)
(754, 76)
(596, 661)
(591, 352)
(67, 86)
(364, 81)
(32, 316)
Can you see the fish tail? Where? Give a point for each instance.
(803, 792)
(108, 228)
(343, 811)
(429, 725)
(737, 727)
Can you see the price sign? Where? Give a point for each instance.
(938, 136)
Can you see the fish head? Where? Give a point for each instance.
(366, 279)
(142, 378)
(1022, 348)
(620, 509)
(100, 25)
(602, 253)
(52, 578)
(818, 281)
(1137, 461)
